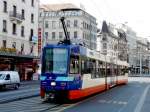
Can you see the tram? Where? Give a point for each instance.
(73, 72)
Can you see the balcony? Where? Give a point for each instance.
(15, 17)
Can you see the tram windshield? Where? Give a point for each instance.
(55, 60)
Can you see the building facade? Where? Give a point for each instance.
(141, 55)
(81, 26)
(112, 42)
(138, 51)
(18, 35)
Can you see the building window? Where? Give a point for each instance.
(60, 35)
(68, 23)
(53, 24)
(104, 45)
(22, 48)
(23, 14)
(75, 34)
(4, 43)
(14, 28)
(68, 34)
(83, 35)
(4, 26)
(31, 49)
(14, 45)
(46, 24)
(31, 34)
(46, 35)
(14, 11)
(5, 6)
(22, 31)
(53, 35)
(32, 3)
(83, 24)
(75, 23)
(32, 18)
(60, 25)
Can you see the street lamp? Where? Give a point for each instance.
(140, 56)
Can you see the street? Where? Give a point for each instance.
(26, 89)
(133, 97)
(74, 56)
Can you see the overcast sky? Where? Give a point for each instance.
(135, 12)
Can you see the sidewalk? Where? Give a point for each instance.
(138, 75)
(32, 82)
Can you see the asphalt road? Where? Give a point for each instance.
(27, 89)
(133, 97)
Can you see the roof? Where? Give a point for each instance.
(122, 35)
(105, 27)
(57, 7)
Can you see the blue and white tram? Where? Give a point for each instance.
(73, 72)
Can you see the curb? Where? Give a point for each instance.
(18, 98)
(29, 82)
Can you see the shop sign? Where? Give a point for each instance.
(39, 40)
(34, 39)
(7, 50)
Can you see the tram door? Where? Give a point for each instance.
(112, 75)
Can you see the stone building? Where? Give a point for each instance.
(82, 27)
(18, 35)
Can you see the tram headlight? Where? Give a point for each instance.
(53, 83)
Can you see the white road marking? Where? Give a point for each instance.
(114, 102)
(142, 99)
(124, 106)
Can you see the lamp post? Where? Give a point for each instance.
(149, 65)
(140, 56)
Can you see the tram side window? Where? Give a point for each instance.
(119, 70)
(108, 70)
(115, 70)
(83, 67)
(74, 65)
(101, 69)
(97, 72)
(124, 70)
(87, 67)
(93, 69)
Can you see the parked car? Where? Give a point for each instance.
(9, 79)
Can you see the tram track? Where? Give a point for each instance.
(17, 98)
(33, 104)
(53, 108)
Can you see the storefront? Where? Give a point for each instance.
(26, 65)
(135, 71)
